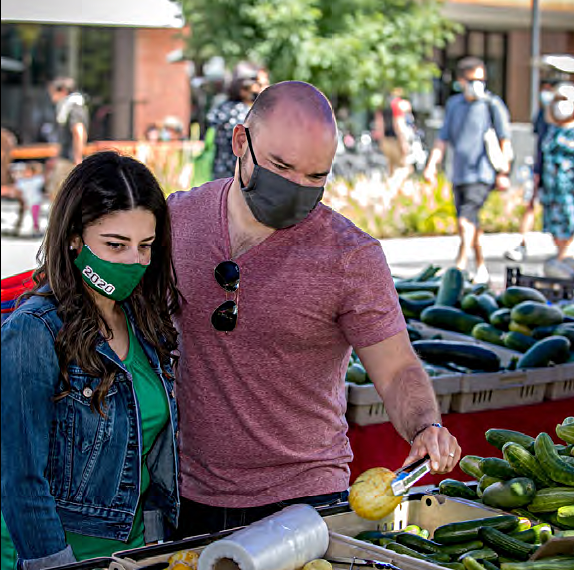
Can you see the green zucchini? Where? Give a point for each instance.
(565, 515)
(470, 464)
(482, 554)
(469, 355)
(526, 464)
(418, 543)
(471, 563)
(488, 333)
(418, 295)
(449, 318)
(567, 330)
(516, 294)
(546, 453)
(428, 272)
(518, 341)
(464, 531)
(517, 492)
(504, 544)
(542, 332)
(488, 565)
(376, 535)
(496, 467)
(455, 550)
(500, 319)
(517, 327)
(454, 488)
(557, 563)
(553, 349)
(412, 309)
(453, 565)
(565, 430)
(403, 286)
(414, 334)
(405, 550)
(529, 535)
(485, 482)
(533, 314)
(565, 450)
(498, 437)
(551, 499)
(451, 287)
(482, 305)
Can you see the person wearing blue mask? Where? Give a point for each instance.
(89, 420)
(278, 288)
(469, 117)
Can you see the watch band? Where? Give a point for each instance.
(436, 424)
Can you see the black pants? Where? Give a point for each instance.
(197, 518)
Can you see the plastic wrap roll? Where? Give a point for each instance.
(286, 540)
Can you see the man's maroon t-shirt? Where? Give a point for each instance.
(262, 408)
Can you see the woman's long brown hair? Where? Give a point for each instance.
(104, 183)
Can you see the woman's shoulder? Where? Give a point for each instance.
(35, 311)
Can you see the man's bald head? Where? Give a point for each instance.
(302, 100)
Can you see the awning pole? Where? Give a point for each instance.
(535, 58)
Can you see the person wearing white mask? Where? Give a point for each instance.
(540, 126)
(468, 117)
(557, 194)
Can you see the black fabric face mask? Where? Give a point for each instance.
(275, 201)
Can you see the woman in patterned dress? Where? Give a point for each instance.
(557, 195)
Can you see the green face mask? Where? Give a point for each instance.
(113, 280)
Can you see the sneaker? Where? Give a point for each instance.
(481, 275)
(517, 254)
(558, 269)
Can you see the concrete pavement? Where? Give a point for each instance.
(406, 256)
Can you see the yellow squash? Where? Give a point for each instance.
(371, 496)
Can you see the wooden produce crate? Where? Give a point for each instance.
(365, 407)
(503, 389)
(563, 386)
(426, 511)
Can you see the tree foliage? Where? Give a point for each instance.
(358, 48)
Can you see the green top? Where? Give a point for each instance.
(154, 412)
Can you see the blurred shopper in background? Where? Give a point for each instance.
(72, 120)
(468, 117)
(29, 179)
(89, 420)
(557, 192)
(247, 81)
(540, 124)
(9, 189)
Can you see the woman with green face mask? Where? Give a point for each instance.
(89, 421)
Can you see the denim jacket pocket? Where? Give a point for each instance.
(83, 434)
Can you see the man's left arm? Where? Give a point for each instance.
(79, 138)
(410, 401)
(502, 128)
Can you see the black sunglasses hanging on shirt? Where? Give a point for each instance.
(224, 318)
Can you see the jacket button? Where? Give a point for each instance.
(87, 392)
(172, 394)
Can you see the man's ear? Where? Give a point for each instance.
(239, 141)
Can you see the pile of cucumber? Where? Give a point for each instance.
(520, 318)
(504, 542)
(534, 477)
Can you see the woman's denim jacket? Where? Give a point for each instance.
(64, 466)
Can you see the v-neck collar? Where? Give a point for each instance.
(285, 234)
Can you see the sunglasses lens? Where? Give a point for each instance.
(227, 275)
(224, 318)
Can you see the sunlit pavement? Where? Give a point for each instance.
(405, 256)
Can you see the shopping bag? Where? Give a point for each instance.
(12, 288)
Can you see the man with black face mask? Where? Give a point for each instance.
(468, 117)
(278, 288)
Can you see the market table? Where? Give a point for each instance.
(379, 445)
